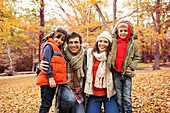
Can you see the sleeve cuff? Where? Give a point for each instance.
(50, 75)
(133, 73)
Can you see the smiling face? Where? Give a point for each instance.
(103, 44)
(59, 40)
(123, 32)
(74, 45)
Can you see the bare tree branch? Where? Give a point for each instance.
(101, 15)
(114, 10)
(94, 28)
(65, 20)
(128, 14)
(1, 20)
(68, 16)
(74, 10)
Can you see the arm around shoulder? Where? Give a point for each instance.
(85, 62)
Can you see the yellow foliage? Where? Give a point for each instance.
(145, 65)
(149, 92)
(25, 37)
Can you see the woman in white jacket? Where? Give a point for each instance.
(99, 82)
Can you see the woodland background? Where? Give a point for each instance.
(23, 23)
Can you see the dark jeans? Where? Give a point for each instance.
(123, 86)
(69, 102)
(77, 108)
(95, 102)
(47, 95)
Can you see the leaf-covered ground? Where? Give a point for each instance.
(150, 93)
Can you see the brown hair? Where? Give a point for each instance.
(96, 48)
(59, 31)
(58, 35)
(73, 35)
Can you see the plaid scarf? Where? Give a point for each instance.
(78, 90)
(76, 62)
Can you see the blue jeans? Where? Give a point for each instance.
(69, 102)
(123, 86)
(47, 95)
(95, 102)
(77, 108)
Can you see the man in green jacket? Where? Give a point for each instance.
(123, 60)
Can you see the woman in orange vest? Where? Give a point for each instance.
(56, 73)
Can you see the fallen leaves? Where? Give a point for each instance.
(19, 95)
(150, 93)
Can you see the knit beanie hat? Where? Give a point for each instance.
(59, 29)
(105, 34)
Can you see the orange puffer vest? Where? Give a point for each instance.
(58, 66)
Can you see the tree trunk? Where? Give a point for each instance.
(101, 15)
(157, 53)
(10, 70)
(151, 54)
(41, 33)
(33, 65)
(137, 12)
(114, 10)
(147, 53)
(10, 59)
(89, 12)
(144, 60)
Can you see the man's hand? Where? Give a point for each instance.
(43, 66)
(128, 71)
(52, 82)
(87, 95)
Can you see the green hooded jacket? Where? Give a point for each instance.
(132, 57)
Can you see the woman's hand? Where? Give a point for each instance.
(44, 66)
(52, 82)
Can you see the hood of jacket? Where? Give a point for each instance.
(114, 31)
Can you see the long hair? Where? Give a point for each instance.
(59, 31)
(96, 48)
